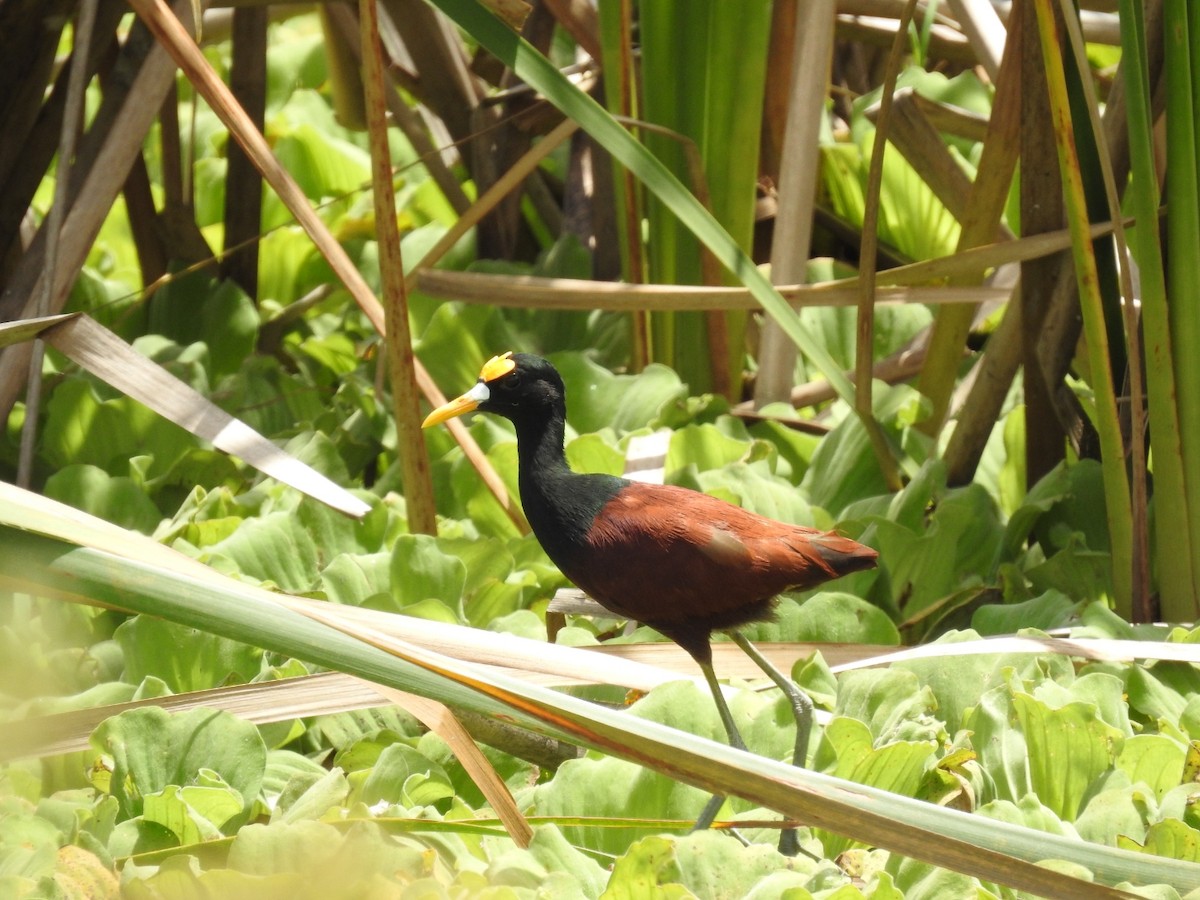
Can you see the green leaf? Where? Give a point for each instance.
(962, 538)
(1069, 748)
(273, 548)
(597, 399)
(323, 165)
(187, 659)
(1049, 610)
(593, 453)
(117, 499)
(843, 469)
(711, 865)
(403, 776)
(921, 880)
(830, 616)
(192, 814)
(310, 795)
(329, 862)
(1099, 689)
(633, 791)
(1170, 838)
(1116, 812)
(556, 854)
(1028, 812)
(80, 428)
(889, 702)
(150, 749)
(421, 570)
(353, 578)
(1153, 699)
(703, 446)
(1002, 750)
(1154, 760)
(759, 492)
(648, 869)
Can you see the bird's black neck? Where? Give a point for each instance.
(559, 503)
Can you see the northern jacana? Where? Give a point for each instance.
(680, 561)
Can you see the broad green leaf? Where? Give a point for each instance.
(282, 253)
(497, 602)
(634, 791)
(421, 570)
(1079, 509)
(830, 616)
(759, 492)
(795, 448)
(593, 453)
(82, 428)
(1078, 573)
(847, 751)
(1153, 699)
(962, 537)
(354, 578)
(1101, 690)
(911, 506)
(1030, 812)
(485, 560)
(323, 165)
(327, 858)
(273, 548)
(136, 836)
(1069, 747)
(1002, 750)
(1121, 811)
(343, 730)
(186, 659)
(648, 869)
(890, 703)
(1053, 488)
(921, 881)
(711, 865)
(703, 446)
(193, 816)
(458, 339)
(630, 791)
(843, 469)
(117, 499)
(598, 399)
(1170, 838)
(1051, 609)
(311, 796)
(1189, 719)
(1154, 760)
(150, 749)
(403, 776)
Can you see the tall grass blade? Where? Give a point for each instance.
(1116, 484)
(1181, 35)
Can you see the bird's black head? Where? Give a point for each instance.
(518, 386)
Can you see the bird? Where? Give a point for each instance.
(680, 561)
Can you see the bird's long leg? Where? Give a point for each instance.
(802, 707)
(802, 710)
(735, 740)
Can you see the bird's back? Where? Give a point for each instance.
(687, 563)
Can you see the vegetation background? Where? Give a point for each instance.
(922, 272)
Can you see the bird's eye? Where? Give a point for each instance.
(514, 379)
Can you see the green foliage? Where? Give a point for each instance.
(366, 803)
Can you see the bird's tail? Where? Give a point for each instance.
(843, 555)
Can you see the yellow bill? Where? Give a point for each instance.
(496, 367)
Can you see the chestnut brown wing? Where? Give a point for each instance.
(671, 558)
